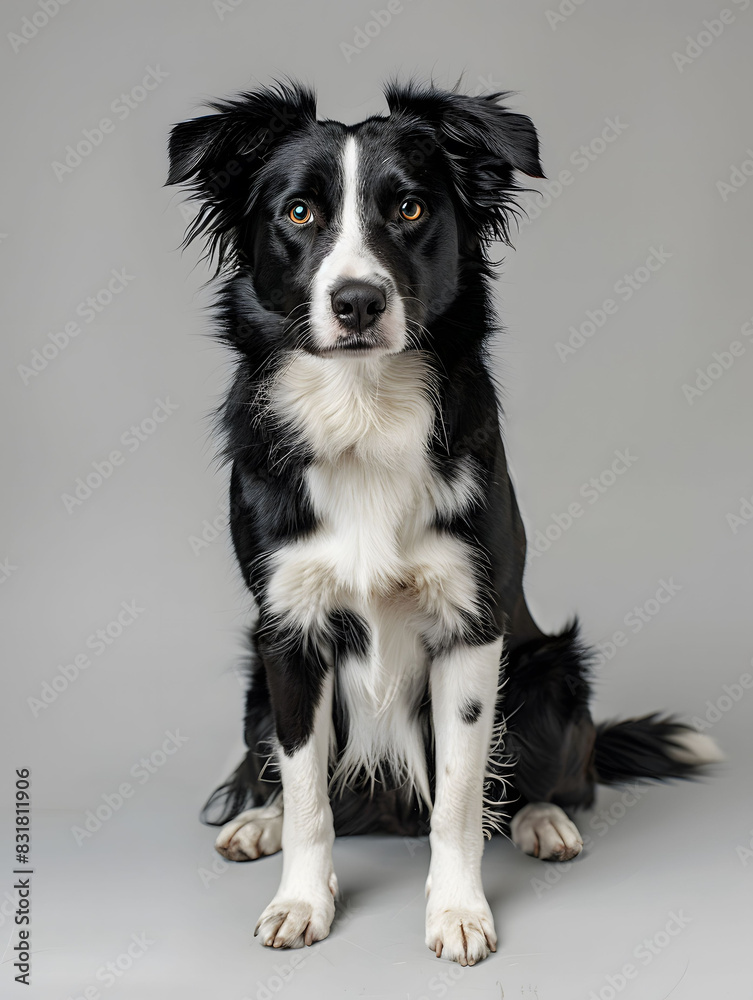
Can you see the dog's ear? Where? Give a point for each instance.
(484, 143)
(219, 156)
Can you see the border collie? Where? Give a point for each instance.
(398, 680)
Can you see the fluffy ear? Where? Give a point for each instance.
(218, 156)
(484, 143)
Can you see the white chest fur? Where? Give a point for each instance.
(375, 494)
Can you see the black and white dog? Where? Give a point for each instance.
(399, 682)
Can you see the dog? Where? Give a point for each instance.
(398, 681)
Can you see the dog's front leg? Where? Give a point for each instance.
(303, 907)
(459, 923)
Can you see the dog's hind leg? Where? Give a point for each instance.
(560, 755)
(551, 739)
(253, 833)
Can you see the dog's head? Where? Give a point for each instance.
(355, 236)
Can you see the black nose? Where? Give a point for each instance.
(357, 304)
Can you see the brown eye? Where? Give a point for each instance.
(299, 213)
(411, 210)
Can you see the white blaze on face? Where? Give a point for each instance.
(351, 258)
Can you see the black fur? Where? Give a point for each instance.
(471, 712)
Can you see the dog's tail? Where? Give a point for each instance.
(652, 748)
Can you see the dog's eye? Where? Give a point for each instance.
(410, 210)
(300, 213)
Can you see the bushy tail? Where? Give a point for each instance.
(652, 748)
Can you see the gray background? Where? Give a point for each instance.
(147, 869)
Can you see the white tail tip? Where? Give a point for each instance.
(695, 748)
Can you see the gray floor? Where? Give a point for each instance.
(564, 929)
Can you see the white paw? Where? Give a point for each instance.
(252, 834)
(291, 923)
(544, 831)
(461, 935)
